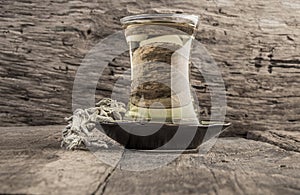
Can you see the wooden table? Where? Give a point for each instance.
(32, 162)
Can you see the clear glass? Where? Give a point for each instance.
(160, 47)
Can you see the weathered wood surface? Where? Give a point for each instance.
(283, 139)
(255, 44)
(33, 163)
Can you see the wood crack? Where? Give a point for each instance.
(102, 186)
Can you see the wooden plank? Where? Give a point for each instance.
(233, 166)
(255, 44)
(33, 163)
(284, 139)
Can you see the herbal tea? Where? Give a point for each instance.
(159, 54)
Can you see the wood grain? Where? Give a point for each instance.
(288, 140)
(255, 44)
(33, 163)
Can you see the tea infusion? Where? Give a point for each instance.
(159, 54)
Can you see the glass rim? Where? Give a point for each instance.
(193, 19)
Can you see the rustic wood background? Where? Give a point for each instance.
(36, 164)
(255, 44)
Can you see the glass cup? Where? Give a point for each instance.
(160, 46)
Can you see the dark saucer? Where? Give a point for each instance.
(161, 136)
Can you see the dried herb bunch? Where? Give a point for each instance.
(78, 133)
